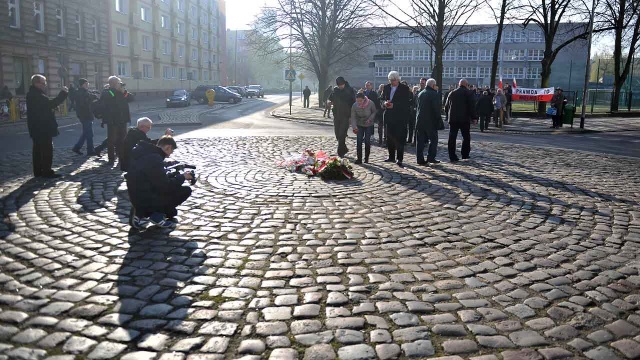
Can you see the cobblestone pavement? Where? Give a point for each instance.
(186, 116)
(520, 253)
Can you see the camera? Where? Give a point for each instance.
(176, 168)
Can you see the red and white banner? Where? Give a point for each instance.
(524, 94)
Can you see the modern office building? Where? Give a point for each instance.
(470, 57)
(62, 40)
(159, 45)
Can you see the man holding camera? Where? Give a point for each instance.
(116, 116)
(154, 194)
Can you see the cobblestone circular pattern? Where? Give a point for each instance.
(519, 253)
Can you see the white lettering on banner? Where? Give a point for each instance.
(526, 94)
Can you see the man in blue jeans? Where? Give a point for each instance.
(83, 109)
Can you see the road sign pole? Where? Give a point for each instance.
(290, 96)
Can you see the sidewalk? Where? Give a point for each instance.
(314, 114)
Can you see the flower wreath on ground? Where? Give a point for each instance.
(318, 163)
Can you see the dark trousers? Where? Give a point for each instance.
(364, 135)
(411, 126)
(305, 103)
(115, 139)
(341, 127)
(484, 122)
(465, 129)
(395, 142)
(557, 120)
(327, 110)
(424, 137)
(381, 130)
(168, 204)
(42, 156)
(87, 135)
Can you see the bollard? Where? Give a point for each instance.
(211, 95)
(14, 112)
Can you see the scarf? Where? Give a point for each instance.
(365, 103)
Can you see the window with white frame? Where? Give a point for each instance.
(402, 54)
(180, 4)
(38, 16)
(384, 51)
(166, 72)
(166, 47)
(422, 55)
(194, 54)
(405, 39)
(194, 13)
(181, 51)
(14, 13)
(147, 71)
(385, 40)
(449, 72)
(484, 72)
(59, 22)
(123, 68)
(486, 55)
(174, 72)
(194, 74)
(145, 14)
(180, 27)
(535, 54)
(121, 6)
(205, 75)
(488, 37)
(146, 43)
(513, 73)
(470, 38)
(514, 55)
(405, 71)
(382, 71)
(93, 24)
(421, 71)
(507, 36)
(194, 33)
(164, 21)
(40, 66)
(78, 26)
(466, 72)
(205, 57)
(535, 36)
(205, 19)
(533, 73)
(519, 37)
(468, 54)
(449, 55)
(122, 37)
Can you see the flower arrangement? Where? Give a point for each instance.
(318, 163)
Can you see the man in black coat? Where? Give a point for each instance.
(461, 108)
(306, 93)
(153, 193)
(396, 99)
(342, 98)
(428, 121)
(116, 116)
(42, 124)
(484, 109)
(134, 136)
(84, 99)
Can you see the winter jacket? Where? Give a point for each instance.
(342, 100)
(363, 116)
(306, 93)
(133, 138)
(428, 114)
(83, 104)
(461, 106)
(41, 117)
(558, 101)
(500, 101)
(116, 107)
(396, 118)
(147, 180)
(484, 107)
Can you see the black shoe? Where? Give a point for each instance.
(52, 176)
(399, 163)
(97, 151)
(390, 160)
(422, 162)
(77, 151)
(434, 161)
(455, 159)
(358, 162)
(366, 160)
(465, 158)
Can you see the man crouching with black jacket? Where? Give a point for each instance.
(153, 193)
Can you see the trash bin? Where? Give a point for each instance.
(567, 114)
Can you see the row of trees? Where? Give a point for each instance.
(325, 33)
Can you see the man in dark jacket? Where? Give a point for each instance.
(396, 99)
(134, 136)
(428, 121)
(84, 99)
(153, 193)
(306, 93)
(461, 108)
(42, 124)
(484, 109)
(116, 117)
(342, 98)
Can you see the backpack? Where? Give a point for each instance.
(98, 106)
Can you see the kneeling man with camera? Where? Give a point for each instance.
(154, 192)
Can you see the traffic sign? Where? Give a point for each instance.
(301, 76)
(290, 75)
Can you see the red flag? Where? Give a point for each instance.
(500, 83)
(515, 84)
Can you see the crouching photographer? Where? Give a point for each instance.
(154, 192)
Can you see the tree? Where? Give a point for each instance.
(322, 33)
(438, 22)
(505, 8)
(623, 17)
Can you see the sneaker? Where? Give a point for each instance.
(135, 221)
(434, 161)
(158, 219)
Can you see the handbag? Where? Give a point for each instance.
(552, 111)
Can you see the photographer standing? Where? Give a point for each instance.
(116, 116)
(154, 194)
(83, 100)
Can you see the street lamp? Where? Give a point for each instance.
(588, 67)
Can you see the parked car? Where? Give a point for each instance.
(222, 94)
(179, 98)
(255, 90)
(238, 90)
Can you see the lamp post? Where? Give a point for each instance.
(588, 66)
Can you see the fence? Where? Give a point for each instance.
(598, 101)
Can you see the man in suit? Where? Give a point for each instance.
(428, 120)
(42, 124)
(396, 99)
(461, 108)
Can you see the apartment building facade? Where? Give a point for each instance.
(470, 57)
(63, 40)
(159, 45)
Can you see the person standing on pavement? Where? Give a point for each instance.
(508, 93)
(342, 98)
(461, 107)
(42, 124)
(484, 109)
(382, 129)
(327, 104)
(412, 117)
(84, 99)
(557, 101)
(499, 104)
(363, 115)
(397, 105)
(306, 94)
(116, 116)
(428, 121)
(372, 95)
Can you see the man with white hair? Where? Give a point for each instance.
(116, 116)
(461, 108)
(134, 136)
(428, 121)
(396, 99)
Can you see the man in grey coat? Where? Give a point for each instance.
(428, 120)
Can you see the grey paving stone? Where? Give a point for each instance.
(216, 344)
(388, 351)
(252, 346)
(459, 346)
(356, 352)
(320, 352)
(106, 350)
(417, 349)
(78, 345)
(601, 353)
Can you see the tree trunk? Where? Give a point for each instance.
(438, 68)
(545, 76)
(496, 47)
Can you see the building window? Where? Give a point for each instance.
(519, 37)
(194, 54)
(384, 51)
(183, 74)
(180, 27)
(181, 51)
(194, 74)
(421, 71)
(535, 36)
(147, 71)
(41, 66)
(14, 13)
(486, 55)
(382, 71)
(484, 73)
(467, 55)
(205, 19)
(449, 55)
(121, 6)
(164, 21)
(38, 16)
(122, 38)
(449, 72)
(146, 43)
(488, 37)
(59, 22)
(166, 72)
(406, 71)
(513, 73)
(123, 68)
(180, 5)
(174, 72)
(471, 38)
(535, 55)
(194, 13)
(94, 30)
(194, 33)
(205, 37)
(205, 75)
(466, 72)
(385, 40)
(145, 14)
(514, 55)
(402, 54)
(407, 39)
(422, 55)
(533, 73)
(78, 27)
(166, 47)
